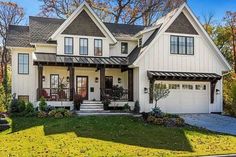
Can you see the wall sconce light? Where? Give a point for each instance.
(96, 79)
(145, 90)
(119, 80)
(217, 91)
(68, 79)
(43, 78)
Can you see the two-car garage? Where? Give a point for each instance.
(186, 97)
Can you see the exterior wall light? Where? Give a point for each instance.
(43, 78)
(145, 90)
(68, 79)
(119, 80)
(217, 91)
(96, 79)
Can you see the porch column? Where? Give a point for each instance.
(40, 81)
(71, 82)
(102, 82)
(151, 84)
(130, 85)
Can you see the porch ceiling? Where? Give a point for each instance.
(85, 61)
(159, 75)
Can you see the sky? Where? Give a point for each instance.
(199, 7)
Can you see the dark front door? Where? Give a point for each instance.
(82, 86)
(108, 82)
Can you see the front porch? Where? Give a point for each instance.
(59, 83)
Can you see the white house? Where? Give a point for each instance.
(90, 57)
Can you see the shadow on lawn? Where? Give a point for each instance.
(125, 130)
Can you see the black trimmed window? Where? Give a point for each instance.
(98, 47)
(124, 48)
(181, 45)
(68, 45)
(23, 63)
(140, 42)
(83, 46)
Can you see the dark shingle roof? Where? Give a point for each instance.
(18, 36)
(41, 28)
(123, 30)
(137, 50)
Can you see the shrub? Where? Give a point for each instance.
(136, 107)
(145, 115)
(13, 108)
(42, 114)
(156, 112)
(179, 122)
(21, 106)
(29, 108)
(159, 121)
(106, 102)
(58, 115)
(126, 107)
(42, 104)
(151, 119)
(78, 100)
(52, 113)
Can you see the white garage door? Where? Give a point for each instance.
(186, 97)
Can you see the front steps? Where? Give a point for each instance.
(91, 106)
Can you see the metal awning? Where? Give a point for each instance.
(162, 75)
(53, 59)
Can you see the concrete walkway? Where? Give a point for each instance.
(213, 122)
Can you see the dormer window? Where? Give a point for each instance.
(98, 47)
(68, 45)
(181, 45)
(140, 42)
(124, 48)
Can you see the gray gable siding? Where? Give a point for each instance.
(182, 25)
(83, 25)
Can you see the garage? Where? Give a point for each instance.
(189, 92)
(186, 97)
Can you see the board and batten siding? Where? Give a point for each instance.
(158, 58)
(115, 50)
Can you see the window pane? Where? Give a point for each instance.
(187, 86)
(182, 45)
(83, 46)
(124, 48)
(190, 45)
(98, 47)
(174, 44)
(23, 63)
(200, 87)
(68, 45)
(174, 86)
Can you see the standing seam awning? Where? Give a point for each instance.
(159, 75)
(53, 59)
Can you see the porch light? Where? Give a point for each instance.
(217, 91)
(43, 78)
(119, 80)
(68, 79)
(96, 79)
(145, 90)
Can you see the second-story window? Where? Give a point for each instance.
(124, 48)
(83, 46)
(181, 45)
(68, 45)
(97, 47)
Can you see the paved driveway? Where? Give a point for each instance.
(213, 122)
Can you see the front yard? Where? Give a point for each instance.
(108, 136)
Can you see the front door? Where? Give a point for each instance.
(82, 86)
(108, 82)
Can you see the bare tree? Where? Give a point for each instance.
(208, 22)
(230, 19)
(160, 91)
(10, 14)
(118, 11)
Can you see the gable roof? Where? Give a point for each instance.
(169, 19)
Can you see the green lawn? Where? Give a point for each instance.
(108, 136)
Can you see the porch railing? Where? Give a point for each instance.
(115, 94)
(54, 94)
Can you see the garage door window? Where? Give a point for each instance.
(174, 86)
(200, 87)
(187, 87)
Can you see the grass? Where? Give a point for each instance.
(108, 136)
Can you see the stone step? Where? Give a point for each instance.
(91, 102)
(91, 109)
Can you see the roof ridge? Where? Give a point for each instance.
(54, 18)
(122, 24)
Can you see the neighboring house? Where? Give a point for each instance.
(92, 56)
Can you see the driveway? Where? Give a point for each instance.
(213, 122)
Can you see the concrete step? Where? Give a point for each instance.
(86, 106)
(90, 110)
(91, 102)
